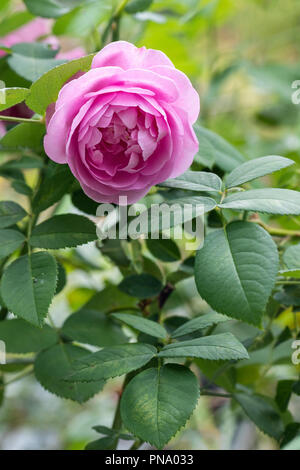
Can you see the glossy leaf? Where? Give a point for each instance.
(235, 271)
(112, 362)
(28, 286)
(256, 168)
(268, 200)
(216, 347)
(149, 327)
(158, 402)
(12, 96)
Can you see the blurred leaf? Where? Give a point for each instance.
(12, 96)
(32, 60)
(22, 188)
(134, 6)
(51, 8)
(283, 394)
(291, 257)
(22, 338)
(14, 21)
(84, 19)
(141, 286)
(25, 136)
(84, 203)
(142, 324)
(260, 410)
(164, 249)
(105, 443)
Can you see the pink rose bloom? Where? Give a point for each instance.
(126, 124)
(27, 33)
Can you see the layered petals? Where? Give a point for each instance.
(125, 125)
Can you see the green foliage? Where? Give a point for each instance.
(199, 323)
(83, 20)
(51, 8)
(164, 249)
(134, 6)
(13, 96)
(25, 136)
(22, 338)
(158, 402)
(269, 200)
(149, 327)
(111, 362)
(240, 263)
(216, 347)
(195, 181)
(32, 60)
(35, 275)
(256, 168)
(62, 231)
(10, 213)
(45, 90)
(10, 241)
(56, 363)
(141, 286)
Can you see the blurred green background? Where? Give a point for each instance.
(243, 57)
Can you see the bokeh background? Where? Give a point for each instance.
(243, 57)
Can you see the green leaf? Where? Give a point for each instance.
(195, 181)
(56, 363)
(89, 326)
(260, 410)
(10, 213)
(84, 19)
(220, 151)
(12, 96)
(14, 21)
(10, 241)
(25, 136)
(216, 347)
(158, 402)
(164, 249)
(62, 231)
(84, 203)
(291, 257)
(21, 187)
(45, 90)
(57, 182)
(112, 362)
(141, 286)
(22, 338)
(256, 168)
(142, 324)
(51, 8)
(105, 443)
(236, 269)
(269, 200)
(134, 6)
(35, 278)
(32, 60)
(199, 323)
(23, 163)
(284, 393)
